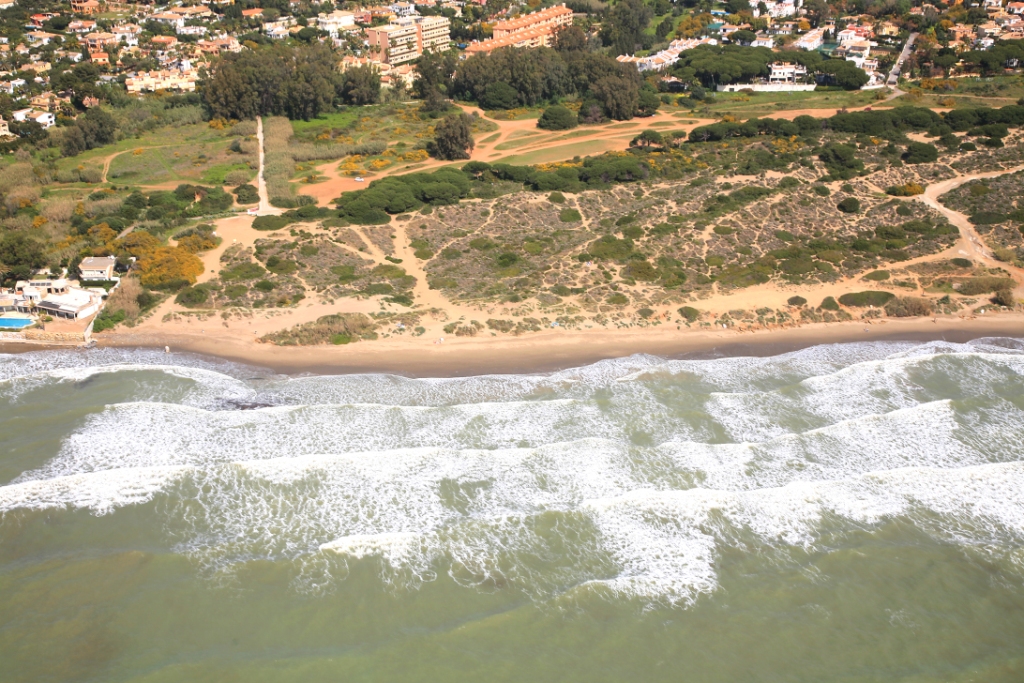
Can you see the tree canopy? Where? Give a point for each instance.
(298, 82)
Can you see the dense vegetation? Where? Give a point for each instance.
(510, 78)
(298, 82)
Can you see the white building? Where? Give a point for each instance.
(43, 118)
(338, 20)
(97, 267)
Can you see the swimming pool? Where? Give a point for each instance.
(15, 323)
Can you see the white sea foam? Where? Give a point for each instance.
(665, 540)
(101, 492)
(627, 476)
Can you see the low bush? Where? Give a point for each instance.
(192, 296)
(268, 223)
(849, 205)
(689, 313)
(796, 301)
(877, 275)
(987, 284)
(905, 190)
(908, 307)
(1004, 297)
(865, 299)
(570, 216)
(829, 303)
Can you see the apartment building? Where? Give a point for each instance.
(151, 81)
(551, 18)
(528, 31)
(394, 43)
(434, 33)
(406, 39)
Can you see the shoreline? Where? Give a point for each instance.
(550, 351)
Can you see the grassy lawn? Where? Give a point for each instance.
(514, 114)
(338, 119)
(186, 140)
(559, 152)
(205, 162)
(764, 104)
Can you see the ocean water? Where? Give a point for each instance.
(849, 512)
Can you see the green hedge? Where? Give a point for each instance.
(864, 299)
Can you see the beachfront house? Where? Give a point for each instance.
(98, 267)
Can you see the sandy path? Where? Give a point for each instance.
(612, 133)
(970, 244)
(265, 209)
(106, 165)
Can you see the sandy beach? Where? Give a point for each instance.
(556, 349)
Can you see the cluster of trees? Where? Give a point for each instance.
(298, 82)
(510, 77)
(453, 138)
(1004, 54)
(94, 128)
(711, 65)
(888, 124)
(398, 194)
(402, 193)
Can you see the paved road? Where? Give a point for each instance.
(894, 75)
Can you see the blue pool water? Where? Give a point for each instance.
(14, 323)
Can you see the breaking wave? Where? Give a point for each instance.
(627, 477)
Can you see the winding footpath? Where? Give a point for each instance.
(970, 244)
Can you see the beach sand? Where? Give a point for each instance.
(555, 349)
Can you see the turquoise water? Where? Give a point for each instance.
(846, 512)
(14, 323)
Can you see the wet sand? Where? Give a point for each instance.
(556, 349)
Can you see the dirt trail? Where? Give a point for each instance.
(612, 133)
(970, 244)
(265, 209)
(106, 165)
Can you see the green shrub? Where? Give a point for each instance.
(786, 235)
(865, 299)
(423, 254)
(904, 210)
(556, 198)
(339, 339)
(246, 194)
(920, 153)
(821, 190)
(908, 307)
(107, 319)
(829, 304)
(235, 291)
(961, 262)
(689, 313)
(265, 285)
(610, 247)
(877, 275)
(280, 266)
(645, 313)
(570, 216)
(1004, 297)
(849, 205)
(796, 301)
(192, 296)
(450, 253)
(270, 222)
(985, 285)
(557, 118)
(243, 271)
(618, 299)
